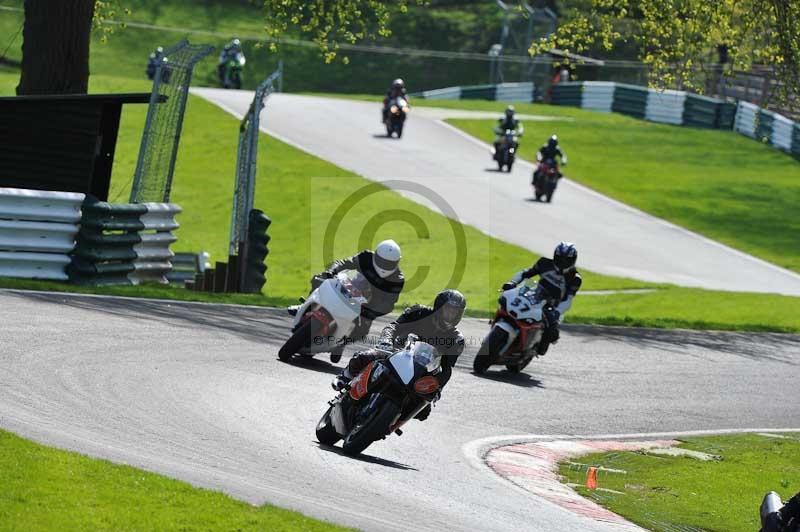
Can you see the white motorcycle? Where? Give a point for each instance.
(326, 319)
(517, 328)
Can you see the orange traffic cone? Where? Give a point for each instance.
(591, 478)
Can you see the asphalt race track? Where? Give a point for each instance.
(613, 238)
(196, 392)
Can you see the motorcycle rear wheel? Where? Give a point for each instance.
(326, 433)
(489, 350)
(301, 337)
(375, 427)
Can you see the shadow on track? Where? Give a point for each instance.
(367, 458)
(317, 364)
(781, 348)
(522, 379)
(383, 136)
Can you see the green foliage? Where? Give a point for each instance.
(331, 22)
(680, 493)
(678, 38)
(48, 489)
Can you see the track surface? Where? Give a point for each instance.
(613, 238)
(196, 392)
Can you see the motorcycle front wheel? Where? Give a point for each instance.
(489, 350)
(302, 337)
(366, 431)
(326, 433)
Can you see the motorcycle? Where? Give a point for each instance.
(325, 320)
(231, 71)
(522, 315)
(505, 150)
(382, 398)
(545, 180)
(771, 521)
(396, 117)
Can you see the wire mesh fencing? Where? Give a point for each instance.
(155, 165)
(246, 159)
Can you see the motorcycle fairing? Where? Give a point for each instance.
(403, 364)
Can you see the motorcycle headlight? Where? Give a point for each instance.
(394, 109)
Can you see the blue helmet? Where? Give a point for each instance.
(565, 256)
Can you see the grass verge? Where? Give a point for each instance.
(50, 489)
(682, 493)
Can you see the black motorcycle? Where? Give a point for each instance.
(505, 150)
(545, 180)
(382, 398)
(396, 117)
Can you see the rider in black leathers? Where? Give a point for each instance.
(435, 325)
(787, 519)
(508, 121)
(549, 151)
(396, 90)
(559, 276)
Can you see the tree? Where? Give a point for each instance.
(682, 40)
(55, 44)
(57, 33)
(331, 22)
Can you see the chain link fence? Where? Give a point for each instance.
(152, 180)
(246, 159)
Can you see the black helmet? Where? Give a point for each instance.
(565, 256)
(510, 111)
(448, 308)
(398, 84)
(552, 141)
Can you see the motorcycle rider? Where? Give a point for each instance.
(396, 90)
(787, 519)
(229, 51)
(548, 152)
(507, 121)
(557, 275)
(435, 325)
(153, 61)
(381, 268)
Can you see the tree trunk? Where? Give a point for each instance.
(55, 47)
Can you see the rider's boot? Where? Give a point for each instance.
(336, 353)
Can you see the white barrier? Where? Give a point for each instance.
(37, 232)
(665, 106)
(746, 116)
(153, 255)
(598, 95)
(514, 92)
(448, 93)
(782, 132)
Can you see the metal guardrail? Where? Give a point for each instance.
(37, 232)
(124, 243)
(682, 108)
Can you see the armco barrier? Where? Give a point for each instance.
(123, 243)
(509, 92)
(597, 95)
(782, 133)
(665, 107)
(515, 92)
(37, 232)
(746, 119)
(630, 100)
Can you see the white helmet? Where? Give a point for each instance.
(386, 258)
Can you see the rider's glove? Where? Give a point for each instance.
(509, 285)
(385, 346)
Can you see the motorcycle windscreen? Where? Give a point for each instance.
(403, 364)
(426, 355)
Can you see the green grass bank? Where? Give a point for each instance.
(668, 493)
(45, 489)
